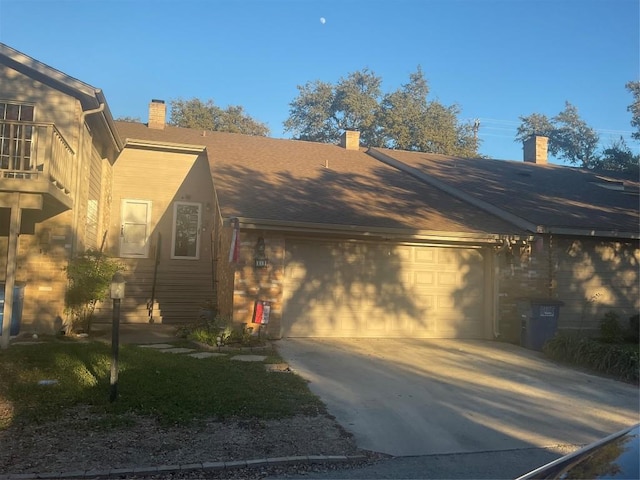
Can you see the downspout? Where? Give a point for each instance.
(76, 213)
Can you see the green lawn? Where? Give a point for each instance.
(174, 388)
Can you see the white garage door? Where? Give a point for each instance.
(375, 290)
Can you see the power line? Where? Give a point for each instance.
(511, 125)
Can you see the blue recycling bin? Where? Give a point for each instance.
(539, 321)
(16, 315)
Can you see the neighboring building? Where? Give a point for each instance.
(57, 148)
(585, 227)
(339, 240)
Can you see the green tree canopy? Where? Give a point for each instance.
(402, 119)
(573, 139)
(570, 138)
(535, 124)
(634, 108)
(618, 157)
(322, 111)
(207, 115)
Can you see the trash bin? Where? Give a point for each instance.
(16, 315)
(539, 321)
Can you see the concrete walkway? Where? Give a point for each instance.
(425, 397)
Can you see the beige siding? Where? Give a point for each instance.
(181, 286)
(52, 106)
(48, 237)
(94, 194)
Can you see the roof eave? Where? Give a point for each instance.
(21, 62)
(165, 146)
(379, 233)
(585, 232)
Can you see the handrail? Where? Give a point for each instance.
(35, 150)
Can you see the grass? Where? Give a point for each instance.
(175, 389)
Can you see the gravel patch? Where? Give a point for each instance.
(80, 441)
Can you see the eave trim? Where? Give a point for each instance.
(372, 232)
(165, 146)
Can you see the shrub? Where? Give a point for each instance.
(619, 360)
(89, 275)
(633, 332)
(207, 330)
(610, 329)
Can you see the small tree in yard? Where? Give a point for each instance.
(89, 275)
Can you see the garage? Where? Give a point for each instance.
(361, 289)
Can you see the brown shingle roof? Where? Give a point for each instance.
(552, 196)
(295, 181)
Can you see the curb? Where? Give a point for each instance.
(206, 466)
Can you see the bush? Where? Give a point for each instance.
(619, 360)
(220, 331)
(89, 275)
(633, 332)
(610, 329)
(208, 330)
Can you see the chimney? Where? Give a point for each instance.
(350, 140)
(157, 114)
(535, 149)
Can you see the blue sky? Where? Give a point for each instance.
(497, 59)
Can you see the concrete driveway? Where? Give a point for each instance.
(423, 397)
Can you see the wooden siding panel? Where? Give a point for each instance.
(181, 286)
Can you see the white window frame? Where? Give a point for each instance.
(176, 206)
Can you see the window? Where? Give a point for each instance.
(185, 241)
(16, 138)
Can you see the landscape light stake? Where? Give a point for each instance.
(117, 294)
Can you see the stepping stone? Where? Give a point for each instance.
(156, 345)
(249, 358)
(206, 355)
(278, 367)
(177, 350)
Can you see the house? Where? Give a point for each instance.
(58, 144)
(585, 227)
(330, 240)
(339, 243)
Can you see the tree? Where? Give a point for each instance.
(618, 157)
(634, 108)
(572, 139)
(403, 119)
(129, 119)
(207, 115)
(89, 275)
(569, 136)
(535, 124)
(322, 111)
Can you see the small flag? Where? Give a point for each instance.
(234, 252)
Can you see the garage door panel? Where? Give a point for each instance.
(447, 279)
(369, 290)
(425, 256)
(424, 279)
